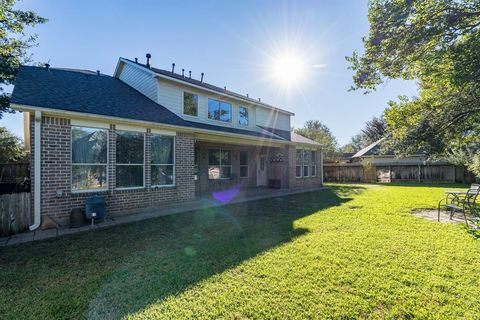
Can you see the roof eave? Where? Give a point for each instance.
(30, 108)
(158, 75)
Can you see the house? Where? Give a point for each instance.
(375, 163)
(147, 137)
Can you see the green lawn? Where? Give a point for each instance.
(353, 251)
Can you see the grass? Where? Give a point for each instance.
(353, 251)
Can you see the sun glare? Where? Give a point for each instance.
(288, 69)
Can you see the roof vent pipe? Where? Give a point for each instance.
(173, 67)
(201, 79)
(190, 74)
(98, 72)
(47, 66)
(183, 72)
(149, 56)
(136, 60)
(259, 100)
(247, 96)
(225, 88)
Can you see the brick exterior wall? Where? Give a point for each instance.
(304, 182)
(283, 170)
(57, 200)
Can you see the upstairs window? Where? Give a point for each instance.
(219, 110)
(298, 163)
(244, 168)
(219, 164)
(243, 116)
(130, 159)
(89, 159)
(163, 155)
(190, 104)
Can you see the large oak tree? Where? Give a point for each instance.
(14, 44)
(437, 43)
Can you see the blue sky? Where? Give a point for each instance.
(233, 42)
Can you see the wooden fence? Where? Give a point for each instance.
(356, 172)
(14, 172)
(15, 213)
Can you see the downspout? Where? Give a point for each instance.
(36, 169)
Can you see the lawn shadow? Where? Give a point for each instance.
(122, 270)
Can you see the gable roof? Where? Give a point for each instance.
(86, 92)
(375, 149)
(370, 150)
(205, 85)
(295, 137)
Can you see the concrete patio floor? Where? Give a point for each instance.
(216, 199)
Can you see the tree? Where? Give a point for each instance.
(14, 45)
(356, 144)
(317, 131)
(11, 147)
(374, 130)
(436, 42)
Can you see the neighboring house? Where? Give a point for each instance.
(147, 137)
(374, 154)
(374, 164)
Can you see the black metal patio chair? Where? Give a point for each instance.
(464, 202)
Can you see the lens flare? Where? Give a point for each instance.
(288, 69)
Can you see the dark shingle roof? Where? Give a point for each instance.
(85, 91)
(206, 85)
(301, 139)
(371, 150)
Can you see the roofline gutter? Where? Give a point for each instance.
(37, 171)
(158, 75)
(28, 108)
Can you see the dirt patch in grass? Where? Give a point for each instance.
(433, 215)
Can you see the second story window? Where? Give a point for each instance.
(219, 110)
(243, 116)
(190, 104)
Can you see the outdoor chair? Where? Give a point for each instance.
(464, 202)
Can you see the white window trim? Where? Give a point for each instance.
(305, 164)
(221, 121)
(130, 164)
(248, 117)
(244, 165)
(183, 103)
(301, 164)
(101, 164)
(220, 165)
(156, 186)
(313, 163)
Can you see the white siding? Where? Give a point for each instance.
(170, 95)
(139, 79)
(272, 119)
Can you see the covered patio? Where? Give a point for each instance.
(229, 167)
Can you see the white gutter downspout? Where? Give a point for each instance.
(36, 169)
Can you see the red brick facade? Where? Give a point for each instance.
(57, 199)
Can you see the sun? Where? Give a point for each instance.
(288, 69)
